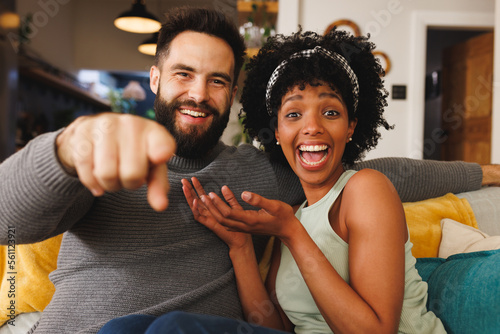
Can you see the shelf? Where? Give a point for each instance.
(246, 6)
(63, 86)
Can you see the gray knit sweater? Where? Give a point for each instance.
(118, 256)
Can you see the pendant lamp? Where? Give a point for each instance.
(9, 20)
(148, 46)
(138, 20)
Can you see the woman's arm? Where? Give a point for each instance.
(271, 283)
(259, 302)
(256, 303)
(375, 228)
(376, 233)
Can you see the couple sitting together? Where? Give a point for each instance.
(131, 255)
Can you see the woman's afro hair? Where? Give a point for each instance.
(301, 71)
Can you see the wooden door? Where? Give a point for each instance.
(467, 79)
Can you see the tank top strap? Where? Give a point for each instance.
(325, 203)
(334, 193)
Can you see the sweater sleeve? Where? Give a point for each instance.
(290, 189)
(36, 194)
(417, 180)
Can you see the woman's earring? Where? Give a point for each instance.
(278, 143)
(350, 138)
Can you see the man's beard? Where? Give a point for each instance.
(192, 143)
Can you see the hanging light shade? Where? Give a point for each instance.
(138, 20)
(10, 20)
(148, 47)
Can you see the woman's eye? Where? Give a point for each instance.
(331, 113)
(292, 115)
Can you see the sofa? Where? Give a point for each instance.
(462, 266)
(456, 244)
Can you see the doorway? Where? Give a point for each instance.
(438, 39)
(421, 21)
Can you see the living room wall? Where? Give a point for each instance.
(50, 32)
(79, 34)
(76, 34)
(390, 24)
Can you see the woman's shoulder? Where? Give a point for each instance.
(369, 185)
(368, 177)
(370, 201)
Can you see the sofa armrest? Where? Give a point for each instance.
(485, 203)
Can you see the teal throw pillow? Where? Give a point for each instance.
(464, 291)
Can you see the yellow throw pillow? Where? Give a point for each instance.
(25, 285)
(424, 221)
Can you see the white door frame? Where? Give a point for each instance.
(421, 20)
(495, 117)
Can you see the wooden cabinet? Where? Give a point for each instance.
(467, 100)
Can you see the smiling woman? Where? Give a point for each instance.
(324, 105)
(357, 81)
(313, 129)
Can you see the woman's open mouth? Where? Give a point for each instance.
(313, 155)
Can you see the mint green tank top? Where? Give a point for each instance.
(296, 300)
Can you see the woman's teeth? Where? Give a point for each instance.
(313, 155)
(312, 148)
(193, 113)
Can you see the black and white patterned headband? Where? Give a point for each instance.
(307, 54)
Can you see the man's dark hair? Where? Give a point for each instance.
(204, 20)
(301, 71)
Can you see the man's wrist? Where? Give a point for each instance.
(58, 143)
(491, 175)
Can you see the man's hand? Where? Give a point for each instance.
(491, 175)
(109, 151)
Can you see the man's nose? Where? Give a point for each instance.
(199, 91)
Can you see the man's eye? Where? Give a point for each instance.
(219, 82)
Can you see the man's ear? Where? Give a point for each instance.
(154, 79)
(235, 90)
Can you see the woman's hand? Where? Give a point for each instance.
(207, 214)
(274, 218)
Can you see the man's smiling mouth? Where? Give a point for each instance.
(313, 155)
(193, 113)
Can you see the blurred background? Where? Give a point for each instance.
(60, 59)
